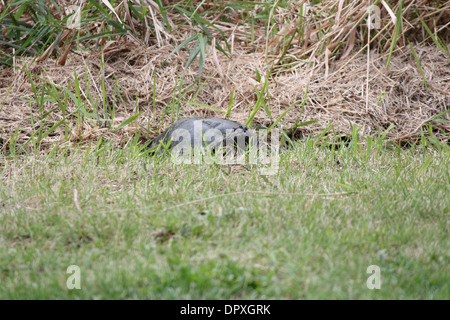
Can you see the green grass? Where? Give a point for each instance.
(141, 232)
(143, 227)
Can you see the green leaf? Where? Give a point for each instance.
(126, 122)
(230, 104)
(202, 45)
(418, 65)
(204, 106)
(182, 45)
(398, 27)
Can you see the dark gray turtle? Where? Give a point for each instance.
(191, 133)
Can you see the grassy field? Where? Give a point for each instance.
(142, 227)
(83, 86)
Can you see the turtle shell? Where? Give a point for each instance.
(198, 132)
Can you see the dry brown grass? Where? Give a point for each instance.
(337, 81)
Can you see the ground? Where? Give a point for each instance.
(363, 177)
(143, 227)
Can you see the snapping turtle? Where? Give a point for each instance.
(191, 133)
